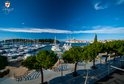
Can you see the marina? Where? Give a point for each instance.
(19, 51)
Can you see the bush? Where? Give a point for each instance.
(3, 62)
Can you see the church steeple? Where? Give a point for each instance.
(95, 38)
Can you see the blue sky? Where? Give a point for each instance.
(79, 19)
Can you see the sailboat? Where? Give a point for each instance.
(55, 46)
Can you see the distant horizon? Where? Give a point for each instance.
(60, 39)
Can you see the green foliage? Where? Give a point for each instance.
(73, 55)
(44, 59)
(121, 50)
(91, 51)
(3, 62)
(30, 62)
(115, 46)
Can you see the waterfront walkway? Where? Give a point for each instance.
(54, 77)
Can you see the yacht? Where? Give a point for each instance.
(67, 46)
(2, 51)
(27, 50)
(13, 49)
(55, 47)
(27, 55)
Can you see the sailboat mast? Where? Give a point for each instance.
(55, 40)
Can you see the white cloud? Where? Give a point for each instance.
(105, 29)
(97, 6)
(35, 30)
(101, 4)
(120, 2)
(95, 29)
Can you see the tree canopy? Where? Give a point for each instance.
(73, 55)
(89, 53)
(44, 59)
(30, 62)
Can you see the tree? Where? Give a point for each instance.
(91, 53)
(44, 59)
(30, 62)
(3, 62)
(121, 51)
(84, 54)
(107, 49)
(74, 55)
(113, 47)
(95, 38)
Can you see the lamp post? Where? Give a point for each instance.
(109, 64)
(61, 69)
(61, 63)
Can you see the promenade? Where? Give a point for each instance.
(65, 77)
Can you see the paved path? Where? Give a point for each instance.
(67, 78)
